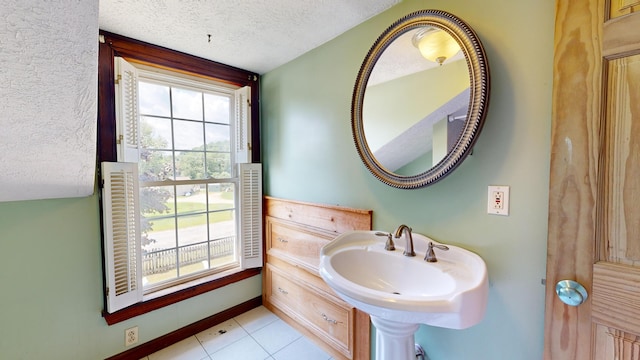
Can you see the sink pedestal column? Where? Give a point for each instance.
(394, 340)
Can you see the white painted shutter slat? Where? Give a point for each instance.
(243, 124)
(123, 252)
(250, 215)
(127, 110)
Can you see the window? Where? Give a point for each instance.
(187, 181)
(183, 150)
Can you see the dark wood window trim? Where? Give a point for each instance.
(112, 45)
(157, 303)
(152, 55)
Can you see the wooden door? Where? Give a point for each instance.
(594, 194)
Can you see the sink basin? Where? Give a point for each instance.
(450, 293)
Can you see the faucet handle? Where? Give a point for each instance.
(431, 255)
(389, 245)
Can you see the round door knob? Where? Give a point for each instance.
(571, 292)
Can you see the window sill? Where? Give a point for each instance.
(161, 299)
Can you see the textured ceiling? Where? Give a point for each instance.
(254, 35)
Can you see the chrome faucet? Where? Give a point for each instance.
(408, 249)
(431, 255)
(389, 245)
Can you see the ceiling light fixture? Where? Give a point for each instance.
(435, 45)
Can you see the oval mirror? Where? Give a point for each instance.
(420, 99)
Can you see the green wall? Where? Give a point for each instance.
(309, 155)
(51, 278)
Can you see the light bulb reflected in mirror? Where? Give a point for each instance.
(435, 45)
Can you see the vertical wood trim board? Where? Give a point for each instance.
(575, 147)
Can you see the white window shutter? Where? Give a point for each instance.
(243, 124)
(127, 110)
(123, 252)
(250, 215)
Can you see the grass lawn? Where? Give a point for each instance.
(165, 221)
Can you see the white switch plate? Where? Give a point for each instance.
(498, 200)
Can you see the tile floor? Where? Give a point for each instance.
(257, 334)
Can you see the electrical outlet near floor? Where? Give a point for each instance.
(498, 200)
(131, 336)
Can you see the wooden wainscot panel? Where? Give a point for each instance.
(328, 217)
(330, 320)
(301, 273)
(299, 244)
(295, 232)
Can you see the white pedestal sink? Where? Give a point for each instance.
(401, 292)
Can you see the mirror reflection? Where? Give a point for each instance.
(416, 101)
(420, 99)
